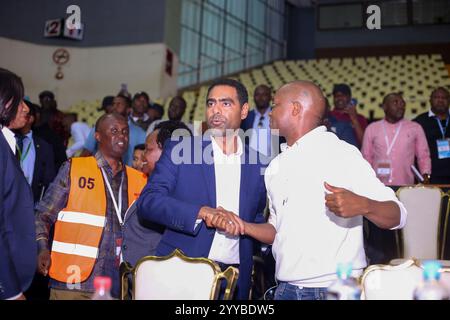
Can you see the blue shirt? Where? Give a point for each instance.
(28, 157)
(137, 136)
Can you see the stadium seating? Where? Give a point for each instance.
(371, 78)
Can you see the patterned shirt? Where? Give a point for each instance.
(55, 199)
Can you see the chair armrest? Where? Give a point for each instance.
(125, 269)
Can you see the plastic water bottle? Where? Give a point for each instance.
(345, 287)
(431, 288)
(102, 287)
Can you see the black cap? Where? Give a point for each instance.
(343, 88)
(47, 93)
(107, 101)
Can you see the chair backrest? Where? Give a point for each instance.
(177, 277)
(397, 282)
(421, 234)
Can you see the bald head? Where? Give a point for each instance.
(107, 117)
(309, 96)
(299, 108)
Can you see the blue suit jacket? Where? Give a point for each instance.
(175, 193)
(18, 249)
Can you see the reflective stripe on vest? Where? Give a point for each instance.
(79, 227)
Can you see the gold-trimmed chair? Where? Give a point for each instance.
(176, 277)
(422, 236)
(396, 282)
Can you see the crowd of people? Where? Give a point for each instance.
(133, 185)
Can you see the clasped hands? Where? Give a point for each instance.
(222, 220)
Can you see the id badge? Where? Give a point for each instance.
(118, 252)
(384, 171)
(443, 148)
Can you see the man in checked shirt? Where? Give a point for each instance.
(87, 204)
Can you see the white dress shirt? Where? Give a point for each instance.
(227, 169)
(311, 240)
(10, 138)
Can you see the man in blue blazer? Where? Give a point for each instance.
(18, 250)
(198, 185)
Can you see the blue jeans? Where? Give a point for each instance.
(286, 291)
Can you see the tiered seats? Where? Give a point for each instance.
(371, 78)
(87, 111)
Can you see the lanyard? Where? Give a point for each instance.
(22, 157)
(118, 208)
(389, 146)
(440, 126)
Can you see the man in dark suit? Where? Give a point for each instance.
(18, 250)
(259, 137)
(435, 123)
(38, 165)
(191, 195)
(43, 130)
(37, 158)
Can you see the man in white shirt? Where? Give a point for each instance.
(319, 190)
(79, 132)
(188, 196)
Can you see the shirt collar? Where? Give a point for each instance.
(30, 135)
(387, 123)
(431, 114)
(102, 163)
(265, 115)
(143, 118)
(218, 151)
(10, 138)
(303, 140)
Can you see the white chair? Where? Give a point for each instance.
(397, 282)
(421, 236)
(177, 277)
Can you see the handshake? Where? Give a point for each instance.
(222, 220)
